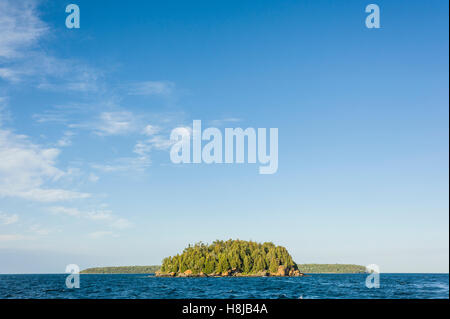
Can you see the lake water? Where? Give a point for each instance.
(323, 286)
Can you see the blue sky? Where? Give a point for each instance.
(86, 115)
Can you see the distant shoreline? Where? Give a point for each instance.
(122, 270)
(152, 273)
(304, 268)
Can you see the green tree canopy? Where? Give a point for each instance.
(247, 257)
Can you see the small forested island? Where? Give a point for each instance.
(230, 258)
(122, 270)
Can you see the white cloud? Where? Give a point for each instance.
(124, 164)
(115, 123)
(55, 116)
(58, 74)
(22, 59)
(46, 195)
(10, 74)
(65, 210)
(68, 113)
(32, 232)
(66, 139)
(139, 163)
(99, 215)
(150, 130)
(4, 113)
(7, 219)
(160, 142)
(151, 88)
(26, 168)
(20, 27)
(142, 148)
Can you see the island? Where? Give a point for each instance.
(230, 258)
(237, 258)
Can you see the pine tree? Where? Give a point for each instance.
(223, 264)
(273, 265)
(247, 265)
(209, 266)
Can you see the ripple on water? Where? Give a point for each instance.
(139, 286)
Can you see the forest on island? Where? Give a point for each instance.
(331, 269)
(122, 270)
(247, 257)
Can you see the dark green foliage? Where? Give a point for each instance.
(246, 256)
(331, 268)
(122, 270)
(222, 264)
(247, 265)
(273, 266)
(209, 265)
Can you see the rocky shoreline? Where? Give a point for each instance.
(281, 272)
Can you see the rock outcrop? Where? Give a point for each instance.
(162, 274)
(281, 272)
(187, 273)
(297, 273)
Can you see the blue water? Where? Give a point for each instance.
(321, 286)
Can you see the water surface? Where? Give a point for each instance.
(130, 286)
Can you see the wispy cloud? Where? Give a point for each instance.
(4, 112)
(93, 178)
(99, 215)
(28, 232)
(39, 230)
(158, 142)
(8, 219)
(124, 164)
(74, 114)
(70, 211)
(20, 27)
(10, 74)
(150, 130)
(139, 163)
(115, 123)
(64, 74)
(12, 237)
(26, 168)
(121, 223)
(22, 59)
(151, 88)
(66, 139)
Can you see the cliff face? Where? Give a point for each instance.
(230, 258)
